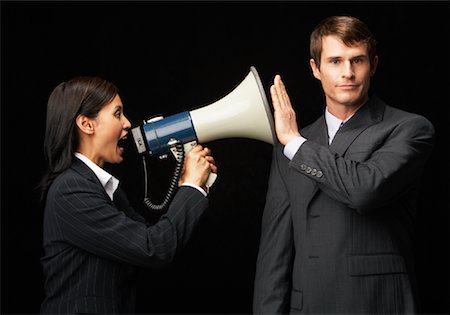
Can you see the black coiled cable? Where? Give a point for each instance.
(173, 186)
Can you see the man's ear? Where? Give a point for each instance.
(314, 68)
(373, 66)
(85, 124)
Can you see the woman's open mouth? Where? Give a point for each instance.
(123, 143)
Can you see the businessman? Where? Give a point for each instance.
(339, 216)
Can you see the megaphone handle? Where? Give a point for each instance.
(211, 179)
(212, 176)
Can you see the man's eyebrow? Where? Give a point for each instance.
(360, 56)
(340, 57)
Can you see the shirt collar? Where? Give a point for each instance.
(109, 182)
(333, 124)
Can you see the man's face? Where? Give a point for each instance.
(344, 72)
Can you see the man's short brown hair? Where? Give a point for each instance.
(349, 29)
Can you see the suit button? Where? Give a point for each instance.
(308, 170)
(313, 172)
(319, 174)
(302, 167)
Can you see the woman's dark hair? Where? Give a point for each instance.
(79, 96)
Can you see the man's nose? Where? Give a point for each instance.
(348, 71)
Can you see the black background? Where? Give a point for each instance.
(168, 57)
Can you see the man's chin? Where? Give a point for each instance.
(351, 100)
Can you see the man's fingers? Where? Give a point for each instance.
(279, 89)
(275, 99)
(282, 93)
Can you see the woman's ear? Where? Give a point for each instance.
(85, 124)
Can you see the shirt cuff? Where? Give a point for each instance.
(292, 147)
(196, 187)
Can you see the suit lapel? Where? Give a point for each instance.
(87, 173)
(366, 116)
(369, 114)
(317, 132)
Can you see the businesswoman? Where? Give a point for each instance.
(93, 239)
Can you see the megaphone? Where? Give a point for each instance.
(243, 113)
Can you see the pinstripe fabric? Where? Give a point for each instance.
(338, 221)
(91, 247)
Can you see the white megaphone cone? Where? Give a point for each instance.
(243, 113)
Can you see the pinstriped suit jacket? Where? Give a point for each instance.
(91, 247)
(338, 221)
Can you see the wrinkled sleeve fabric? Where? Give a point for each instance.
(88, 220)
(389, 171)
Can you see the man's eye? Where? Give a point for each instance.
(357, 60)
(335, 61)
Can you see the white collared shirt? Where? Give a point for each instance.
(333, 125)
(109, 182)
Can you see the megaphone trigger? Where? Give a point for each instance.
(172, 144)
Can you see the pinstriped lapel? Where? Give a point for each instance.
(120, 200)
(366, 116)
(369, 114)
(82, 169)
(317, 132)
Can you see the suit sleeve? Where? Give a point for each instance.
(390, 171)
(88, 220)
(272, 285)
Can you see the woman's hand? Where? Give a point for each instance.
(284, 115)
(198, 164)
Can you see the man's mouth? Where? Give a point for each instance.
(348, 86)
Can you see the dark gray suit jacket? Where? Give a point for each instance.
(339, 219)
(91, 247)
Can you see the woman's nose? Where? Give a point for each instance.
(126, 123)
